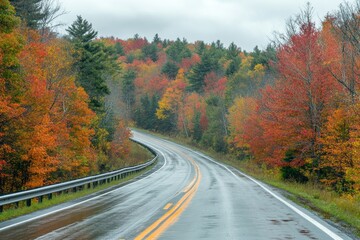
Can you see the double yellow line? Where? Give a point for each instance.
(166, 220)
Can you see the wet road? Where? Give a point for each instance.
(186, 196)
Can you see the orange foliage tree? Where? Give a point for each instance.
(340, 163)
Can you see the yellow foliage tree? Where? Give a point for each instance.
(172, 102)
(340, 161)
(238, 116)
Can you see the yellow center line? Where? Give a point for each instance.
(167, 206)
(165, 221)
(187, 188)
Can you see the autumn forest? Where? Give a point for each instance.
(67, 102)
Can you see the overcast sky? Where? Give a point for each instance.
(247, 23)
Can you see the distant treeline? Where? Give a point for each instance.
(294, 106)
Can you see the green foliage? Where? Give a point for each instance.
(197, 133)
(93, 69)
(95, 63)
(30, 11)
(209, 62)
(145, 114)
(156, 39)
(150, 51)
(81, 31)
(233, 51)
(178, 51)
(7, 19)
(214, 136)
(233, 67)
(10, 45)
(265, 57)
(119, 49)
(128, 90)
(200, 47)
(170, 69)
(292, 173)
(165, 43)
(198, 72)
(130, 58)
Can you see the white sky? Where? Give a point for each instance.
(247, 23)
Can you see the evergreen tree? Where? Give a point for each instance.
(219, 45)
(150, 51)
(200, 47)
(233, 67)
(198, 72)
(170, 69)
(233, 51)
(81, 31)
(215, 134)
(119, 49)
(178, 51)
(156, 39)
(264, 57)
(94, 63)
(145, 115)
(197, 133)
(128, 90)
(30, 11)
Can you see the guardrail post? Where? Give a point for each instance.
(28, 202)
(49, 196)
(89, 185)
(75, 189)
(1, 208)
(40, 199)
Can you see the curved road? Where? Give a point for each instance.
(186, 196)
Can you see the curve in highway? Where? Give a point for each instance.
(186, 196)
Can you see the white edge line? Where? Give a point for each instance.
(87, 200)
(298, 211)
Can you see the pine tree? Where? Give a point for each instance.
(95, 62)
(81, 31)
(156, 39)
(30, 11)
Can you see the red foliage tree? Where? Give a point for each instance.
(291, 114)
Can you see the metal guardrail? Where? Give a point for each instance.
(73, 185)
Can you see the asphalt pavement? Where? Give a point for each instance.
(185, 196)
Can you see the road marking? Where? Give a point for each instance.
(88, 200)
(167, 206)
(298, 211)
(188, 187)
(326, 230)
(166, 220)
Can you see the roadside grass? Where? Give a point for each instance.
(137, 156)
(341, 209)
